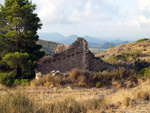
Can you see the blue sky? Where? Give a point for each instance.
(123, 19)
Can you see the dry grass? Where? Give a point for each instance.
(64, 100)
(20, 103)
(50, 81)
(2, 87)
(67, 106)
(17, 103)
(80, 78)
(75, 73)
(133, 48)
(144, 95)
(127, 101)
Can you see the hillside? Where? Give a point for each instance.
(140, 48)
(48, 46)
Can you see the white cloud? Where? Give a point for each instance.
(144, 4)
(129, 24)
(70, 11)
(143, 19)
(104, 17)
(50, 10)
(144, 13)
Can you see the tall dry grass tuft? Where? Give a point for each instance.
(106, 77)
(75, 73)
(80, 78)
(97, 105)
(50, 81)
(69, 105)
(20, 103)
(17, 103)
(144, 95)
(127, 101)
(2, 87)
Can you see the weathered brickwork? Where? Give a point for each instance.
(77, 56)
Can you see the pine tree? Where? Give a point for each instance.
(18, 36)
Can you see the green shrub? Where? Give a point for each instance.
(98, 84)
(112, 60)
(7, 78)
(145, 72)
(140, 64)
(21, 82)
(141, 40)
(111, 46)
(123, 56)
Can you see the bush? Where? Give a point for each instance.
(111, 46)
(144, 95)
(98, 84)
(127, 101)
(47, 80)
(140, 64)
(7, 78)
(97, 106)
(141, 40)
(145, 72)
(69, 105)
(123, 56)
(80, 78)
(112, 60)
(21, 82)
(106, 77)
(75, 73)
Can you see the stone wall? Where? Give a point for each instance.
(77, 56)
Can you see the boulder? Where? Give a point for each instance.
(39, 75)
(58, 73)
(61, 48)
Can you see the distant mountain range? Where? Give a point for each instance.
(93, 42)
(107, 45)
(56, 37)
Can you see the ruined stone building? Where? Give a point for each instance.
(77, 56)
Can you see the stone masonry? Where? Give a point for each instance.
(77, 56)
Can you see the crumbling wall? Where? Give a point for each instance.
(77, 56)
